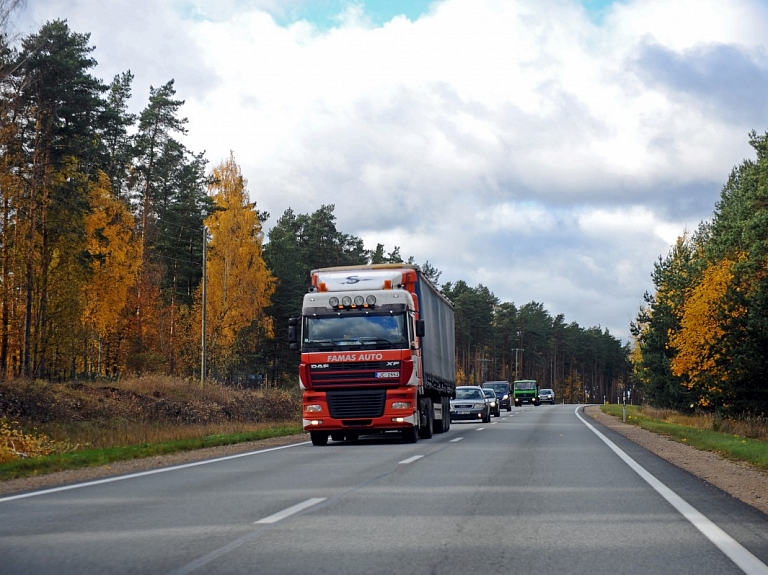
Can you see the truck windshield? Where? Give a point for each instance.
(385, 331)
(525, 385)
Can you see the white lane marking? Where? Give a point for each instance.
(292, 510)
(727, 544)
(479, 428)
(457, 439)
(144, 473)
(410, 460)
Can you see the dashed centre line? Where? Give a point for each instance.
(292, 510)
(410, 460)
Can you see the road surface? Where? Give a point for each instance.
(538, 490)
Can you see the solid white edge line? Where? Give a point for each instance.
(144, 473)
(727, 544)
(292, 510)
(410, 460)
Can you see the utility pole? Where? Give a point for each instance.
(482, 361)
(517, 350)
(205, 274)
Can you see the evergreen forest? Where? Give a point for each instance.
(107, 218)
(702, 336)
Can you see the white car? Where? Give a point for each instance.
(547, 396)
(470, 404)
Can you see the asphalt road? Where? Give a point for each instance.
(539, 490)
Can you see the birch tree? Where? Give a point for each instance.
(239, 285)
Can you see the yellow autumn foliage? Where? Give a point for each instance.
(16, 444)
(115, 258)
(239, 284)
(697, 354)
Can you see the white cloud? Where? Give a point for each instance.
(516, 144)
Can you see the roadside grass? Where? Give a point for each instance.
(81, 458)
(50, 426)
(737, 440)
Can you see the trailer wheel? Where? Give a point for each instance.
(447, 412)
(439, 424)
(318, 438)
(444, 424)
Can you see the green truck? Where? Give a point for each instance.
(526, 391)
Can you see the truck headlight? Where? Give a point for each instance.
(313, 408)
(401, 405)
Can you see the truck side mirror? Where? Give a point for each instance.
(420, 328)
(293, 338)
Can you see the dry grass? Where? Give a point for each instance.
(751, 427)
(118, 433)
(17, 444)
(135, 411)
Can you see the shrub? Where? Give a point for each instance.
(15, 444)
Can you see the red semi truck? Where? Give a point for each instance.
(377, 353)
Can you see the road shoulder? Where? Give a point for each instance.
(740, 480)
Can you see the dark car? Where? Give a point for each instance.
(470, 404)
(547, 396)
(490, 397)
(502, 393)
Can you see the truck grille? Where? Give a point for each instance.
(334, 374)
(358, 403)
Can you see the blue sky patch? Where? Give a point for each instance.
(597, 8)
(324, 13)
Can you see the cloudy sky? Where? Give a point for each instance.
(551, 150)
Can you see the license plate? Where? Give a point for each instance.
(463, 412)
(388, 374)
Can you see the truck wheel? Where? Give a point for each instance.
(318, 438)
(427, 414)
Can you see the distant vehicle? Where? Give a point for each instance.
(503, 394)
(490, 397)
(547, 396)
(470, 404)
(526, 391)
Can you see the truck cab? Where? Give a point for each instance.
(526, 391)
